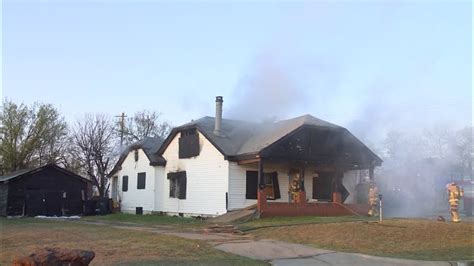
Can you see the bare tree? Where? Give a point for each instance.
(438, 141)
(463, 147)
(146, 124)
(93, 138)
(31, 135)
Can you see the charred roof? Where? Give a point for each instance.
(239, 139)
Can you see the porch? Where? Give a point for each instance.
(312, 171)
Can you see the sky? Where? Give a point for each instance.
(370, 66)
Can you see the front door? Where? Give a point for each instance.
(322, 186)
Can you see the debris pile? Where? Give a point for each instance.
(56, 256)
(229, 229)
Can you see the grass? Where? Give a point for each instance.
(149, 220)
(19, 237)
(399, 238)
(302, 220)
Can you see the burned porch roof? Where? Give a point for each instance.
(302, 138)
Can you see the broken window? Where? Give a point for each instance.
(125, 183)
(177, 185)
(141, 180)
(271, 185)
(189, 143)
(272, 188)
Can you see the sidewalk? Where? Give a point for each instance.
(283, 253)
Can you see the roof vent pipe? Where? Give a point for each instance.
(218, 120)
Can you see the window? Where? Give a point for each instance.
(136, 155)
(177, 185)
(189, 143)
(272, 188)
(271, 185)
(141, 179)
(251, 185)
(125, 183)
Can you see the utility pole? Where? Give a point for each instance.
(122, 126)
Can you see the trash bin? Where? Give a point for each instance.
(102, 207)
(89, 207)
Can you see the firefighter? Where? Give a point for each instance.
(373, 199)
(455, 193)
(295, 187)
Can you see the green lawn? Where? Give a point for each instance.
(19, 237)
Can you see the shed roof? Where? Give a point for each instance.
(24, 172)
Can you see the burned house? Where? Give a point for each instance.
(299, 166)
(47, 190)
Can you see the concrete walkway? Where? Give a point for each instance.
(277, 252)
(283, 253)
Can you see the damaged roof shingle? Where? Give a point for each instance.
(149, 146)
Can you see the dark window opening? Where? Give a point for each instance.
(189, 132)
(136, 155)
(272, 187)
(189, 144)
(125, 183)
(251, 185)
(141, 180)
(322, 186)
(139, 210)
(177, 185)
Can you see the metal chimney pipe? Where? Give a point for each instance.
(218, 120)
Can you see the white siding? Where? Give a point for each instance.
(159, 189)
(207, 180)
(137, 197)
(350, 182)
(237, 183)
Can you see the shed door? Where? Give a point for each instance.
(43, 203)
(34, 203)
(53, 203)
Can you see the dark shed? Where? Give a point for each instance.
(47, 190)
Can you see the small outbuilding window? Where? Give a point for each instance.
(177, 185)
(125, 183)
(141, 180)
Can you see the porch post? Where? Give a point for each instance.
(302, 192)
(261, 195)
(371, 173)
